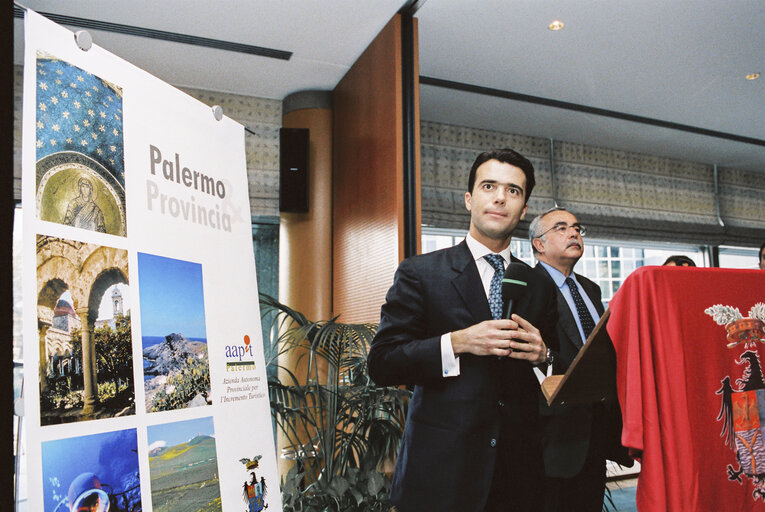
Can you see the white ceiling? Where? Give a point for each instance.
(681, 61)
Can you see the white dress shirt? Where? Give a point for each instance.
(450, 364)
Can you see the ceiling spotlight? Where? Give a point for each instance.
(752, 76)
(556, 25)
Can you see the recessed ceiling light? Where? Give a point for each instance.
(556, 25)
(752, 76)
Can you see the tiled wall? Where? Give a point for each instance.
(618, 193)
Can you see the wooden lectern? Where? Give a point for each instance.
(591, 377)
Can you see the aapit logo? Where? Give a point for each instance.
(240, 357)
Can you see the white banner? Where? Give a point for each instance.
(145, 384)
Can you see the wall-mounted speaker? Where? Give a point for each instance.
(293, 169)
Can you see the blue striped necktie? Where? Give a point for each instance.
(588, 324)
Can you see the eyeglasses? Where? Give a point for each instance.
(562, 228)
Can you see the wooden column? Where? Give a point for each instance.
(305, 239)
(368, 176)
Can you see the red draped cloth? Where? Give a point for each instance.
(689, 344)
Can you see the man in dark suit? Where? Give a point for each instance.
(576, 439)
(471, 441)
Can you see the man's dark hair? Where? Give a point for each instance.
(680, 260)
(507, 156)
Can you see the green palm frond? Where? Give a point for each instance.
(354, 425)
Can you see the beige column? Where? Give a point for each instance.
(88, 363)
(42, 329)
(305, 239)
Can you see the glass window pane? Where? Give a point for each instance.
(442, 241)
(434, 239)
(605, 261)
(737, 257)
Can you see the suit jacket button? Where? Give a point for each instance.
(501, 403)
(493, 443)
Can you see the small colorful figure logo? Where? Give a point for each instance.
(254, 491)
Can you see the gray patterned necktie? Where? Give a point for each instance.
(588, 324)
(495, 289)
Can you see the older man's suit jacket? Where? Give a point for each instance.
(454, 427)
(569, 432)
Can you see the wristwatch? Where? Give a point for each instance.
(548, 358)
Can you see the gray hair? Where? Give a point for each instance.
(534, 228)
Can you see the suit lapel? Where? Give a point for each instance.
(467, 282)
(567, 322)
(592, 292)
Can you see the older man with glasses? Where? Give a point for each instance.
(576, 440)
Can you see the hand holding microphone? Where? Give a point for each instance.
(516, 337)
(526, 342)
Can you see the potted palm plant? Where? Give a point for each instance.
(342, 430)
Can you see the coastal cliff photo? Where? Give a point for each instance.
(173, 333)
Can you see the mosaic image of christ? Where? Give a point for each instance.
(79, 148)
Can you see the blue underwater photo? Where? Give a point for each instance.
(98, 472)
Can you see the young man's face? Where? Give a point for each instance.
(497, 203)
(762, 258)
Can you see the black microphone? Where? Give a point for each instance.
(514, 284)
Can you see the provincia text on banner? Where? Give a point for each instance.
(145, 377)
